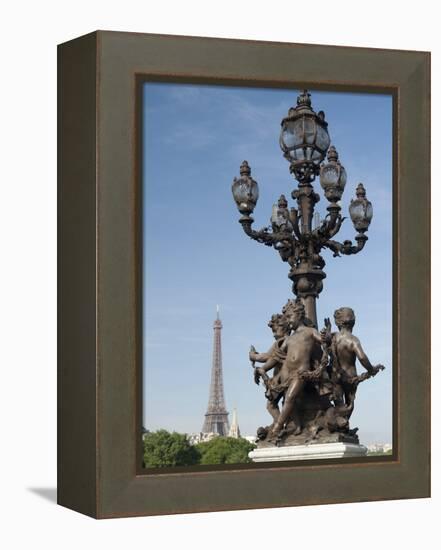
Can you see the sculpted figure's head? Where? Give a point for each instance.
(279, 325)
(344, 317)
(294, 311)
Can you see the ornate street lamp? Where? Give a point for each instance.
(305, 141)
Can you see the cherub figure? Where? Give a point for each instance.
(297, 359)
(304, 361)
(345, 349)
(273, 360)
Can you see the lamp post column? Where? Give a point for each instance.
(307, 285)
(306, 274)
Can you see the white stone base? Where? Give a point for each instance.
(307, 452)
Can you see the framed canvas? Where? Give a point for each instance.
(152, 130)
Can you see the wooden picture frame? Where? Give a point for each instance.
(99, 389)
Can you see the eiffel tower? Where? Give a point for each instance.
(216, 417)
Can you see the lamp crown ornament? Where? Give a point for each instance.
(245, 169)
(332, 154)
(360, 191)
(304, 99)
(282, 202)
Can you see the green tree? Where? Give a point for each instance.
(225, 450)
(163, 448)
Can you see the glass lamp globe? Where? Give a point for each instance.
(304, 138)
(245, 190)
(333, 176)
(361, 210)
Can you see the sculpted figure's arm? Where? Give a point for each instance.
(259, 357)
(269, 360)
(275, 355)
(363, 358)
(270, 364)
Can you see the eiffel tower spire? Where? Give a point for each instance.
(216, 417)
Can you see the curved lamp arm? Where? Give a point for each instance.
(347, 248)
(264, 235)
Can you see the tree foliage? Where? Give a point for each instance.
(224, 450)
(163, 448)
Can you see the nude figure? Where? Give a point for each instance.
(273, 360)
(345, 350)
(304, 356)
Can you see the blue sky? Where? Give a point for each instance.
(196, 255)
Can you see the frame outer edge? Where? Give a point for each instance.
(77, 380)
(414, 277)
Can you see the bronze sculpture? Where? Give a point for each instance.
(314, 376)
(311, 393)
(345, 349)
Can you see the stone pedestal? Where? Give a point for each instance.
(308, 452)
